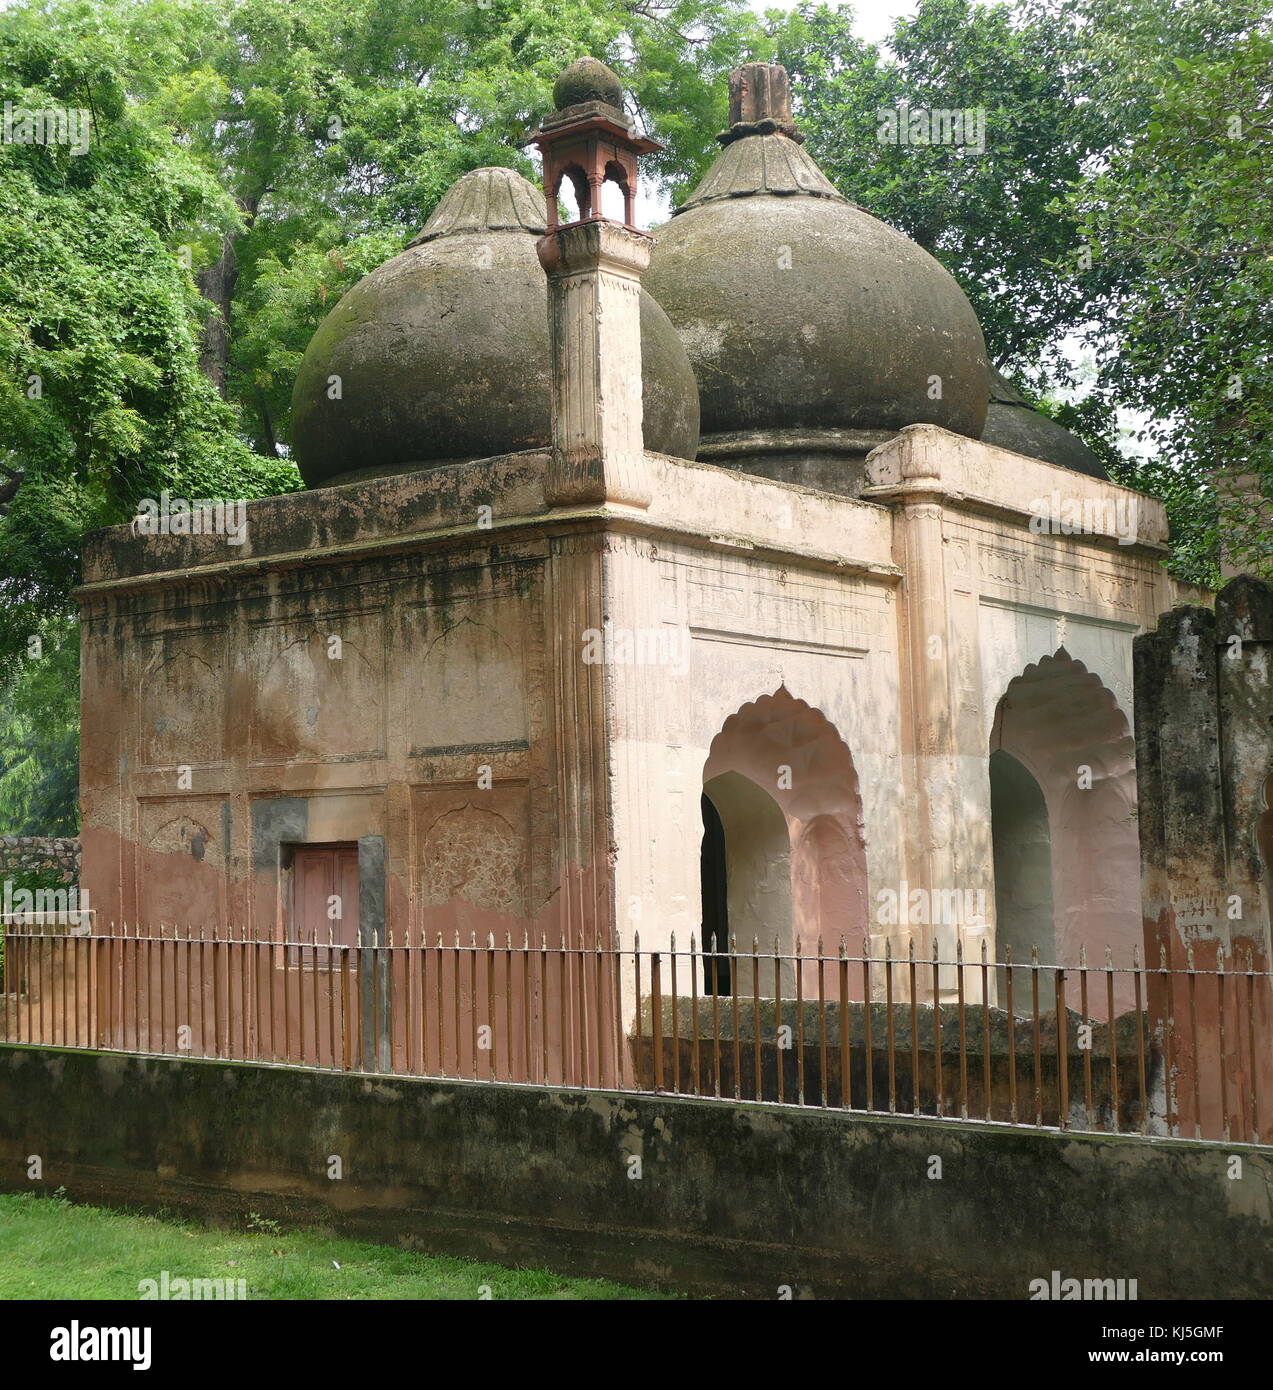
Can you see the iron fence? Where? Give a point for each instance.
(1105, 1047)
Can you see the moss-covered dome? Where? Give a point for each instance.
(1012, 423)
(587, 79)
(441, 354)
(799, 310)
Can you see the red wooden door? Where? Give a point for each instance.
(325, 894)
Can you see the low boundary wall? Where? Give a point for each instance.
(701, 1196)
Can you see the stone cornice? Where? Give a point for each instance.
(926, 463)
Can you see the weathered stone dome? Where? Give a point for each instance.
(799, 310)
(587, 79)
(441, 354)
(1012, 423)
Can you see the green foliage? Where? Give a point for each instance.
(101, 398)
(1185, 217)
(39, 739)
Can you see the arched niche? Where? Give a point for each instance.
(1064, 728)
(793, 776)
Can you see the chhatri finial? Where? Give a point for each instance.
(760, 103)
(588, 140)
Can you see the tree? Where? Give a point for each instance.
(101, 398)
(1185, 214)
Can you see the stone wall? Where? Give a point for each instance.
(1204, 764)
(53, 856)
(741, 1200)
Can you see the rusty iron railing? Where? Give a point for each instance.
(1090, 1047)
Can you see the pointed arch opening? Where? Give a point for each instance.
(1064, 731)
(783, 785)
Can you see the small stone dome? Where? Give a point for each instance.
(441, 354)
(587, 79)
(799, 310)
(1012, 423)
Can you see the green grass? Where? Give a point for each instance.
(52, 1248)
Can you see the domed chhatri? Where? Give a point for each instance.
(442, 353)
(587, 80)
(801, 313)
(1013, 423)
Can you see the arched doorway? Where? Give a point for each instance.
(714, 887)
(754, 852)
(1065, 733)
(1023, 875)
(783, 785)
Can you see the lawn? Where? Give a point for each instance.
(52, 1248)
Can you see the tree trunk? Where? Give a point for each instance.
(216, 284)
(267, 445)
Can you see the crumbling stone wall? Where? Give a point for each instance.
(1204, 759)
(51, 856)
